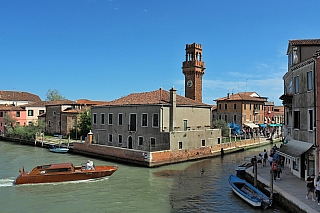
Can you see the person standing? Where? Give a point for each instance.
(310, 187)
(279, 170)
(259, 160)
(265, 157)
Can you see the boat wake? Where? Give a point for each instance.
(65, 182)
(6, 182)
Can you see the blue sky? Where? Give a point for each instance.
(106, 49)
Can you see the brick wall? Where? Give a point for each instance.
(158, 158)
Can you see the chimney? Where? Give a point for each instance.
(173, 104)
(228, 95)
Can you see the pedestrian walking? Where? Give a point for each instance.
(310, 187)
(279, 171)
(318, 190)
(274, 168)
(259, 161)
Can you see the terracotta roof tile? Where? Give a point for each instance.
(61, 102)
(304, 41)
(5, 107)
(18, 96)
(156, 97)
(89, 102)
(35, 104)
(242, 96)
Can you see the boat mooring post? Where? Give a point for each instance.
(255, 171)
(271, 184)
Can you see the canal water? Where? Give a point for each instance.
(198, 186)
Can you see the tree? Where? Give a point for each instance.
(9, 121)
(222, 124)
(84, 125)
(26, 132)
(54, 95)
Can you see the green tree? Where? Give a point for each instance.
(9, 122)
(54, 95)
(222, 124)
(84, 124)
(26, 132)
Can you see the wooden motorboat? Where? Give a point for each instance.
(63, 172)
(249, 193)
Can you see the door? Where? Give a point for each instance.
(130, 143)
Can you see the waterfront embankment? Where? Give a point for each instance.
(289, 192)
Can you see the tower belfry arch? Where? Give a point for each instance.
(193, 69)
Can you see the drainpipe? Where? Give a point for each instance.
(173, 104)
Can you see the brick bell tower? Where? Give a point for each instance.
(193, 70)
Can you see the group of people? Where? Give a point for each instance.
(313, 188)
(276, 162)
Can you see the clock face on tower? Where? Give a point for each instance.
(189, 83)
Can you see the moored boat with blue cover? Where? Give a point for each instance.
(249, 193)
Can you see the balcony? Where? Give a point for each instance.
(287, 100)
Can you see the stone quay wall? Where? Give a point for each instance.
(159, 158)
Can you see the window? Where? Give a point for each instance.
(250, 118)
(140, 140)
(144, 120)
(203, 142)
(49, 123)
(226, 117)
(309, 81)
(289, 87)
(153, 142)
(244, 106)
(1, 114)
(220, 106)
(225, 106)
(219, 140)
(120, 115)
(250, 107)
(30, 113)
(110, 119)
(244, 118)
(296, 84)
(296, 119)
(109, 137)
(220, 117)
(185, 125)
(41, 111)
(234, 106)
(310, 119)
(155, 120)
(94, 118)
(235, 118)
(120, 139)
(102, 118)
(53, 113)
(133, 122)
(18, 114)
(180, 144)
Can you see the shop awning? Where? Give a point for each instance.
(275, 124)
(294, 149)
(263, 125)
(251, 125)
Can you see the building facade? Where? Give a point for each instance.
(245, 109)
(300, 108)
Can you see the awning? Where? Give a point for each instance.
(275, 124)
(294, 149)
(263, 125)
(251, 125)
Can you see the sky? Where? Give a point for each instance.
(106, 49)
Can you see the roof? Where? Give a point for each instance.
(294, 149)
(6, 107)
(157, 97)
(89, 102)
(35, 104)
(302, 42)
(18, 96)
(242, 96)
(60, 102)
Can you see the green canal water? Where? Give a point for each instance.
(168, 189)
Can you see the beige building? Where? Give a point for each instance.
(301, 108)
(154, 121)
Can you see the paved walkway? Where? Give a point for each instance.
(290, 186)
